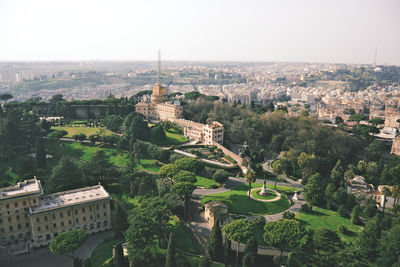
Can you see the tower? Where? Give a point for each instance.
(159, 94)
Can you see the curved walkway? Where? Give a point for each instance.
(278, 195)
(202, 230)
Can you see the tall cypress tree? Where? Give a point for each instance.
(170, 260)
(40, 153)
(215, 245)
(119, 258)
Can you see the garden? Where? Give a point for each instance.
(238, 201)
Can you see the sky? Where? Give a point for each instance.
(331, 31)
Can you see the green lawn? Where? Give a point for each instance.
(182, 238)
(320, 217)
(174, 138)
(206, 183)
(103, 252)
(85, 130)
(271, 194)
(239, 203)
(148, 164)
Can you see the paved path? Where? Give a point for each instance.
(278, 195)
(202, 230)
(267, 166)
(44, 258)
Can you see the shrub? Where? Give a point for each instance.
(259, 222)
(342, 229)
(220, 176)
(306, 207)
(288, 215)
(342, 211)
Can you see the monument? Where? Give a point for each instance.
(264, 191)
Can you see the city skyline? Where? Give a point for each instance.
(283, 31)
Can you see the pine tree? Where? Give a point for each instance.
(120, 223)
(170, 260)
(87, 263)
(119, 258)
(215, 245)
(227, 251)
(40, 153)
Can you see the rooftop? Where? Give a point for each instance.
(72, 197)
(27, 187)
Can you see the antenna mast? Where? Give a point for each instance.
(158, 66)
(376, 51)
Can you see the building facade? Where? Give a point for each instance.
(158, 108)
(29, 218)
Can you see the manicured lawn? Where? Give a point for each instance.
(85, 130)
(271, 194)
(239, 203)
(284, 189)
(206, 183)
(148, 164)
(320, 217)
(174, 138)
(103, 252)
(182, 238)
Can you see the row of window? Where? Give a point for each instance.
(11, 228)
(70, 222)
(16, 204)
(61, 214)
(84, 227)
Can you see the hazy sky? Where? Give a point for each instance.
(230, 30)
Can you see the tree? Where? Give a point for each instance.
(40, 153)
(250, 252)
(168, 170)
(192, 95)
(288, 215)
(170, 260)
(377, 121)
(314, 190)
(87, 263)
(120, 222)
(355, 215)
(185, 190)
(342, 211)
(389, 248)
(386, 193)
(66, 175)
(220, 176)
(99, 167)
(158, 134)
(215, 245)
(5, 97)
(283, 234)
(147, 221)
(119, 258)
(58, 134)
(368, 239)
(113, 122)
(326, 245)
(239, 231)
(250, 177)
(184, 176)
(356, 117)
(337, 174)
(66, 243)
(338, 120)
(189, 164)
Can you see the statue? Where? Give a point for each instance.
(264, 191)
